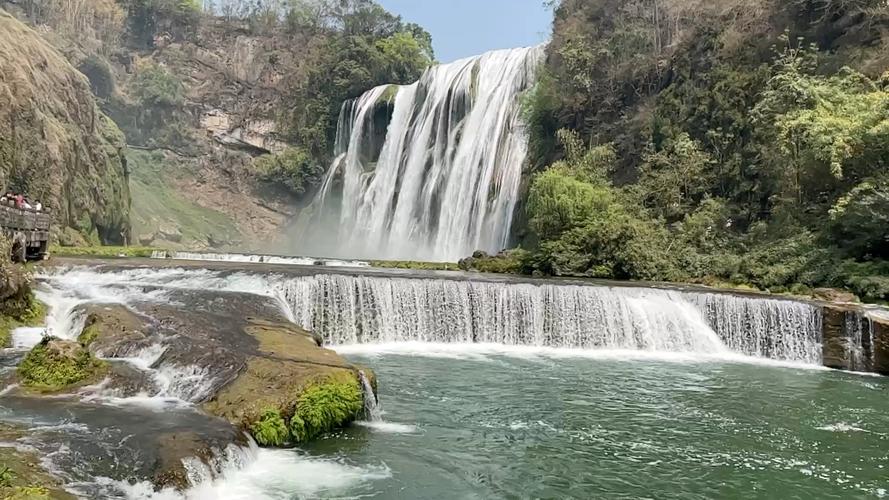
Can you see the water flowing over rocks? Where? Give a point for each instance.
(430, 170)
(347, 306)
(195, 367)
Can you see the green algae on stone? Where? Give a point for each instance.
(54, 365)
(326, 406)
(29, 312)
(270, 429)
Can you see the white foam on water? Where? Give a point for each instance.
(268, 475)
(388, 427)
(485, 352)
(841, 427)
(27, 337)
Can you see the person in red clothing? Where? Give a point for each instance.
(19, 201)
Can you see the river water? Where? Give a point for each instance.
(488, 425)
(627, 393)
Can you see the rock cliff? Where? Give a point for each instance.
(55, 143)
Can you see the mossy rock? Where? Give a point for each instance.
(292, 390)
(33, 316)
(111, 327)
(55, 365)
(323, 405)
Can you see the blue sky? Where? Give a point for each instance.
(462, 28)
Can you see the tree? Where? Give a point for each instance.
(859, 221)
(674, 179)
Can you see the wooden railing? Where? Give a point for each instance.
(21, 219)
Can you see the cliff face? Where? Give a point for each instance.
(55, 144)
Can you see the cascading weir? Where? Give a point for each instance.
(428, 171)
(371, 309)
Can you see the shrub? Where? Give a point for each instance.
(98, 71)
(155, 86)
(325, 406)
(270, 429)
(293, 168)
(859, 220)
(516, 261)
(54, 364)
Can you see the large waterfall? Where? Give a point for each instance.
(428, 171)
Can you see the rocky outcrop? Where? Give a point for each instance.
(855, 338)
(56, 365)
(291, 390)
(258, 371)
(55, 144)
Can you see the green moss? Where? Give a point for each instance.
(7, 476)
(510, 262)
(33, 314)
(270, 429)
(324, 407)
(102, 251)
(29, 492)
(88, 335)
(53, 365)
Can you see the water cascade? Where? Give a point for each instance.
(375, 308)
(371, 309)
(372, 411)
(429, 171)
(860, 341)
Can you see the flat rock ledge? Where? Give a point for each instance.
(267, 377)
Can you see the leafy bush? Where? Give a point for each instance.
(155, 86)
(516, 261)
(270, 429)
(293, 168)
(588, 230)
(98, 71)
(325, 406)
(859, 221)
(53, 365)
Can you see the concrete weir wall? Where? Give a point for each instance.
(855, 338)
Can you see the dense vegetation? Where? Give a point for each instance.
(352, 46)
(717, 141)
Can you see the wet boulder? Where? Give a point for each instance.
(23, 477)
(114, 331)
(292, 390)
(56, 365)
(182, 455)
